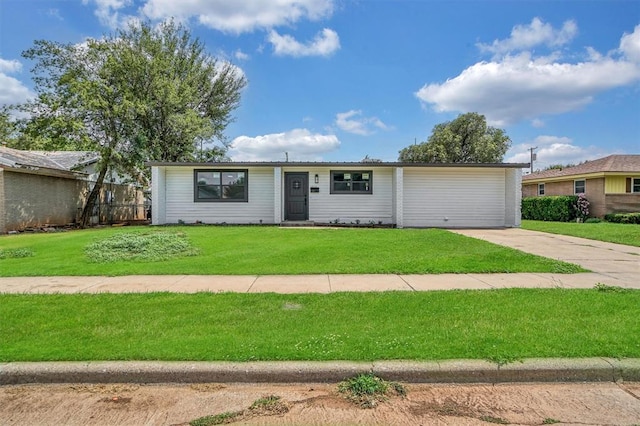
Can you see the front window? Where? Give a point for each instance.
(351, 182)
(541, 189)
(220, 185)
(635, 185)
(579, 187)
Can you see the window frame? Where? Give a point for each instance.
(575, 186)
(196, 199)
(332, 182)
(541, 189)
(635, 182)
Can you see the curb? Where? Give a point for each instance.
(449, 371)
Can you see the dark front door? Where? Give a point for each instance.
(296, 194)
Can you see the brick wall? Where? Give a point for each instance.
(622, 203)
(2, 204)
(35, 200)
(594, 193)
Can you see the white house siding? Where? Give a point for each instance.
(158, 195)
(181, 206)
(453, 197)
(325, 207)
(513, 197)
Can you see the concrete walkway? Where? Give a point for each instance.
(611, 264)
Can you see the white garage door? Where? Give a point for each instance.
(455, 197)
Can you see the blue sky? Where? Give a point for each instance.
(336, 80)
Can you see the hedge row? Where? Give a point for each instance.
(561, 208)
(623, 218)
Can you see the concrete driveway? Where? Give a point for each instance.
(610, 260)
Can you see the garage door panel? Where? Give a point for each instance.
(454, 197)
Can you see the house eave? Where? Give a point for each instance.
(335, 164)
(44, 171)
(579, 176)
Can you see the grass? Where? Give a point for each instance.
(266, 251)
(619, 233)
(501, 324)
(367, 390)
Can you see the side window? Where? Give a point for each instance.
(579, 186)
(351, 182)
(541, 189)
(220, 185)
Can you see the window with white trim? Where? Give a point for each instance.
(541, 189)
(579, 186)
(351, 181)
(220, 185)
(635, 184)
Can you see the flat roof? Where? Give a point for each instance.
(332, 164)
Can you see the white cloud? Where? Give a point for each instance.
(10, 66)
(55, 13)
(324, 43)
(240, 55)
(12, 90)
(521, 86)
(553, 150)
(300, 144)
(630, 45)
(354, 122)
(240, 16)
(536, 33)
(108, 12)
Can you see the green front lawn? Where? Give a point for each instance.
(266, 250)
(619, 233)
(499, 325)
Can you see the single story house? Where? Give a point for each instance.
(39, 188)
(611, 184)
(400, 194)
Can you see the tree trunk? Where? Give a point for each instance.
(93, 197)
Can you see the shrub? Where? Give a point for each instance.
(562, 208)
(593, 220)
(623, 218)
(582, 207)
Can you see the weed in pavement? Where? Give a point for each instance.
(367, 390)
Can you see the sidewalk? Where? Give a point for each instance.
(309, 283)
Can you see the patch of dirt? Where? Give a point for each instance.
(319, 404)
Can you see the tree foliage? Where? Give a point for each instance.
(467, 139)
(143, 94)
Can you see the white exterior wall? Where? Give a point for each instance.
(325, 207)
(158, 196)
(513, 197)
(181, 206)
(408, 197)
(454, 197)
(398, 197)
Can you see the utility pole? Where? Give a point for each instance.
(534, 157)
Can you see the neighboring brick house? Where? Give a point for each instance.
(611, 184)
(48, 188)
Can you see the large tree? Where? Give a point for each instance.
(144, 93)
(467, 139)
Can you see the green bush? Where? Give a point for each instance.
(561, 208)
(593, 220)
(623, 218)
